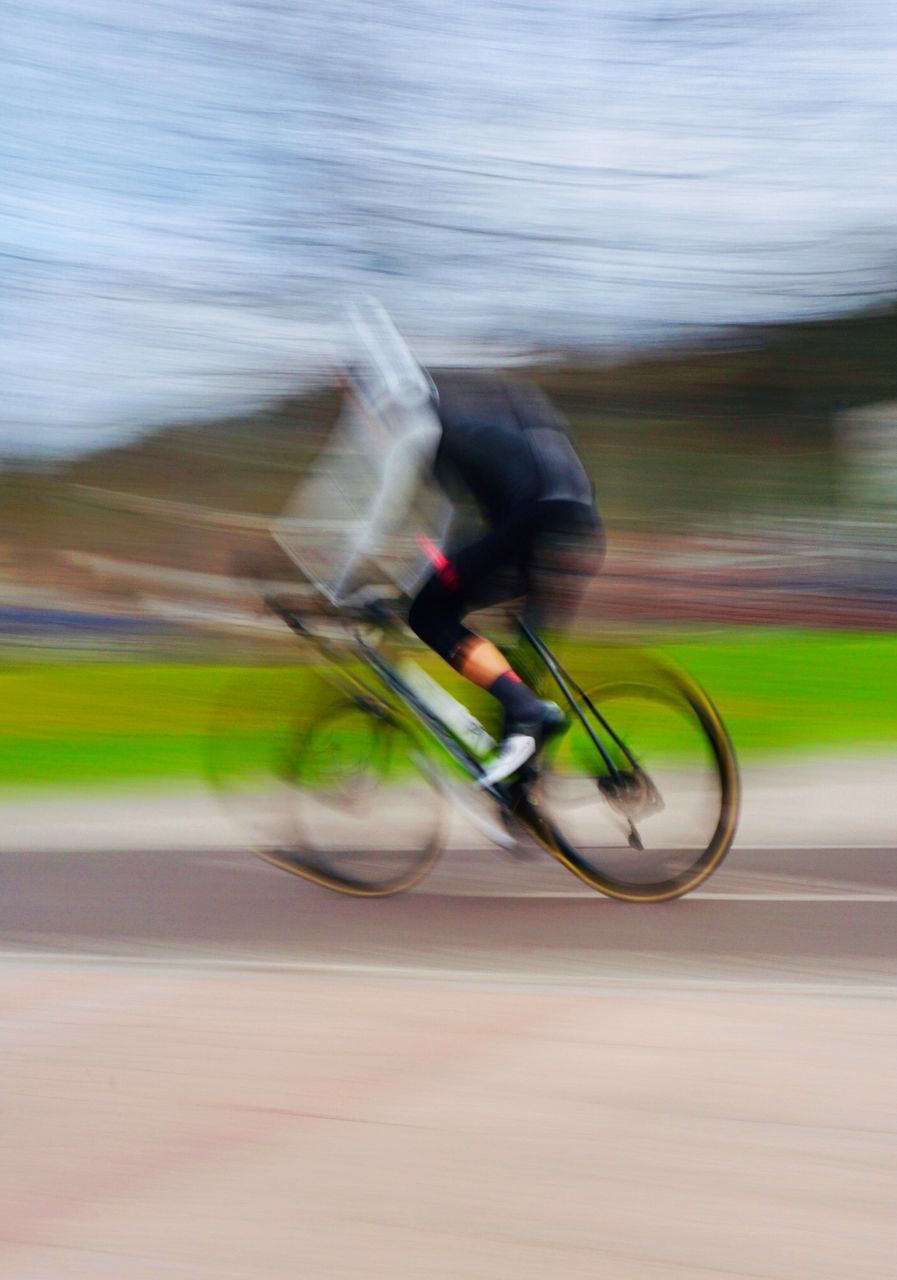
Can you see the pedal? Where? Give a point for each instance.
(525, 848)
(487, 825)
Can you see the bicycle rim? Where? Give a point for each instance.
(369, 816)
(679, 801)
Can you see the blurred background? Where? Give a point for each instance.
(680, 219)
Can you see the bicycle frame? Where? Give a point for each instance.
(390, 677)
(392, 680)
(564, 681)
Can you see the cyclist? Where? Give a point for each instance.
(503, 444)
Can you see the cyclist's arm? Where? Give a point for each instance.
(408, 461)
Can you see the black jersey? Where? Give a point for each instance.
(506, 444)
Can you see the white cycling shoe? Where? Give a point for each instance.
(514, 753)
(522, 741)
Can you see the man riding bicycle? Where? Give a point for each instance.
(503, 445)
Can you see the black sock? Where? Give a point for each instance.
(518, 701)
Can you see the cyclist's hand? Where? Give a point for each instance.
(358, 601)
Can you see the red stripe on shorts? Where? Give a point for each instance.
(444, 569)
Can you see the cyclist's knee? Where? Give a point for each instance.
(433, 619)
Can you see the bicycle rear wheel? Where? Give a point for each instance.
(667, 820)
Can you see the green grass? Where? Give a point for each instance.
(800, 691)
(98, 723)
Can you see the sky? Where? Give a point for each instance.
(193, 192)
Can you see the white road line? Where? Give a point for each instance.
(786, 847)
(617, 982)
(885, 896)
(45, 842)
(585, 895)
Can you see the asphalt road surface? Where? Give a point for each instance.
(792, 916)
(212, 1068)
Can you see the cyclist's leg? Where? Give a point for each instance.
(566, 552)
(486, 571)
(490, 570)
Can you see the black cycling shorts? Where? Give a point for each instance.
(542, 550)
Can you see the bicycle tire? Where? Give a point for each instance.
(604, 859)
(252, 726)
(360, 745)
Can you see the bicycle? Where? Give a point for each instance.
(363, 780)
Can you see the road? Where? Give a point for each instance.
(795, 916)
(214, 1069)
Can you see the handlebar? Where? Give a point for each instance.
(288, 612)
(375, 610)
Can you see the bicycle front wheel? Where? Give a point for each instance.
(659, 819)
(368, 811)
(337, 792)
